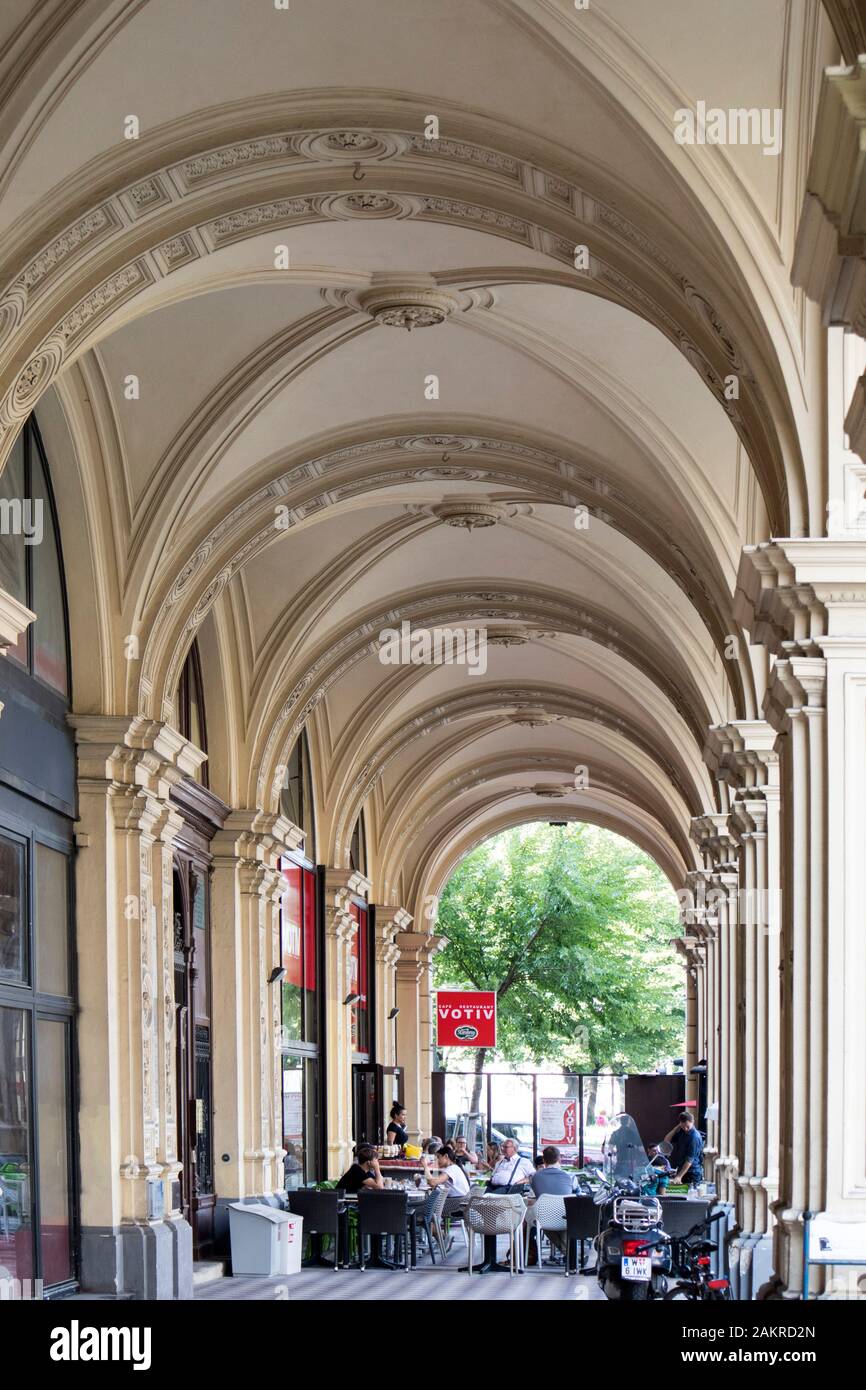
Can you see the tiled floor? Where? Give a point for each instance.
(439, 1284)
(423, 1285)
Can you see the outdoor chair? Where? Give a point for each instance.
(679, 1215)
(454, 1210)
(581, 1217)
(547, 1214)
(321, 1214)
(384, 1214)
(497, 1216)
(430, 1221)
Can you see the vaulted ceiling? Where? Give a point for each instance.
(250, 451)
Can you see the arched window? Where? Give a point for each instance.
(190, 706)
(31, 563)
(296, 798)
(358, 847)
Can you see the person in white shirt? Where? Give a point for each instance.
(448, 1172)
(511, 1172)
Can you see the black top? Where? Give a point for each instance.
(400, 1133)
(354, 1179)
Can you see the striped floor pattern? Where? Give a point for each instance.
(423, 1285)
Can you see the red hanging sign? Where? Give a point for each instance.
(466, 1018)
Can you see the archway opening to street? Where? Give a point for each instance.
(570, 925)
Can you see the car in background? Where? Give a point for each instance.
(472, 1127)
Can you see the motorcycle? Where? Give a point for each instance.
(633, 1251)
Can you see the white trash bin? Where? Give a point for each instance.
(264, 1240)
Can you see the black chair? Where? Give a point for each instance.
(681, 1215)
(321, 1214)
(384, 1214)
(581, 1216)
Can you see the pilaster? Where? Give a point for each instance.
(133, 1238)
(340, 928)
(245, 944)
(389, 922)
(816, 700)
(415, 1043)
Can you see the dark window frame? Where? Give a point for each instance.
(191, 679)
(36, 1005)
(305, 1050)
(358, 846)
(32, 439)
(294, 806)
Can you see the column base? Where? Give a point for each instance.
(148, 1260)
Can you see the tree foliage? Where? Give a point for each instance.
(571, 927)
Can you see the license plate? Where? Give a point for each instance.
(636, 1267)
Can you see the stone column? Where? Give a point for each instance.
(340, 927)
(427, 1025)
(245, 948)
(163, 896)
(795, 704)
(389, 921)
(747, 823)
(806, 599)
(415, 1024)
(133, 1238)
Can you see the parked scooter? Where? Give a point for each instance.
(633, 1251)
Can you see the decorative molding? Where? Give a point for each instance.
(532, 717)
(551, 790)
(150, 196)
(14, 619)
(468, 515)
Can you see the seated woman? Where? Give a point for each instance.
(449, 1171)
(494, 1153)
(364, 1172)
(463, 1155)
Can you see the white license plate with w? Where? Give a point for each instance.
(636, 1267)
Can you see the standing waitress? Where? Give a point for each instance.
(397, 1133)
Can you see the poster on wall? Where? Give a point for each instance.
(466, 1018)
(558, 1124)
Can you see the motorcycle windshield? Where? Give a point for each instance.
(625, 1157)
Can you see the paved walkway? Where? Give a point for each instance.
(427, 1283)
(419, 1285)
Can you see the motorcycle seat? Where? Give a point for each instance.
(700, 1247)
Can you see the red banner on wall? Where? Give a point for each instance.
(299, 927)
(466, 1018)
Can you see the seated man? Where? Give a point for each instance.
(549, 1178)
(512, 1172)
(364, 1172)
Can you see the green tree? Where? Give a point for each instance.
(571, 927)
